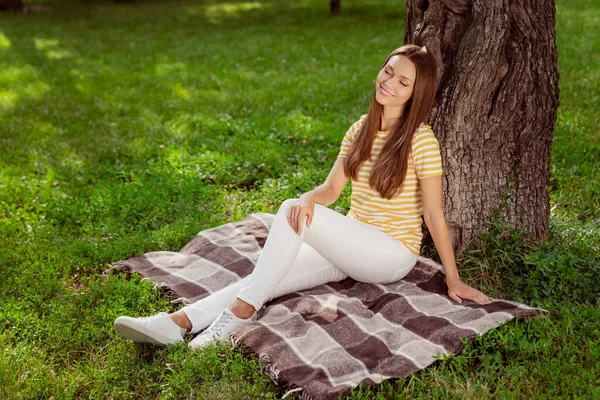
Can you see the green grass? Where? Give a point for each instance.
(127, 129)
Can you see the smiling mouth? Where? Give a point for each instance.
(385, 91)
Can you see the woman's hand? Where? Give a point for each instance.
(304, 208)
(459, 289)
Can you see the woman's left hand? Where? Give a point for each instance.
(458, 290)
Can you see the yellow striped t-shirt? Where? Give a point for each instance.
(401, 216)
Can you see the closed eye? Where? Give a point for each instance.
(389, 73)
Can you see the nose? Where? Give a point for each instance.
(389, 87)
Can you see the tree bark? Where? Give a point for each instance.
(11, 5)
(495, 109)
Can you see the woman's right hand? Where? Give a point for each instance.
(305, 207)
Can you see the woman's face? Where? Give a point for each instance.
(398, 78)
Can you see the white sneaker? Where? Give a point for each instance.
(220, 329)
(157, 329)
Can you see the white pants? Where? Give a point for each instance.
(331, 249)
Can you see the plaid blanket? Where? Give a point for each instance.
(326, 340)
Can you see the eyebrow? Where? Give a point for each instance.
(388, 65)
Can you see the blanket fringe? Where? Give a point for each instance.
(290, 391)
(543, 310)
(531, 312)
(170, 293)
(181, 300)
(118, 265)
(266, 365)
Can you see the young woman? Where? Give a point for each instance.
(394, 161)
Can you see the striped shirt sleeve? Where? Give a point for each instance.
(426, 154)
(350, 135)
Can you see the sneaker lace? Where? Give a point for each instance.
(150, 317)
(218, 325)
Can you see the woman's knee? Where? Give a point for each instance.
(288, 203)
(405, 270)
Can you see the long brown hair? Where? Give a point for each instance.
(389, 170)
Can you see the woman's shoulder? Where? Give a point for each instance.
(423, 131)
(423, 135)
(356, 126)
(424, 127)
(360, 120)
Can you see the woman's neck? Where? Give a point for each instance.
(390, 118)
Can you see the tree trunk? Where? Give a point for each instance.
(495, 109)
(11, 5)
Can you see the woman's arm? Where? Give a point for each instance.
(436, 224)
(433, 214)
(431, 193)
